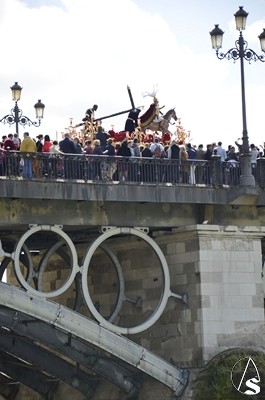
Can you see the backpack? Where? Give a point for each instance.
(157, 152)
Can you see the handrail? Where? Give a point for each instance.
(133, 170)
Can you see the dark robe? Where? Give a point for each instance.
(132, 120)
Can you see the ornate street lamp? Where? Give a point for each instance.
(16, 116)
(241, 52)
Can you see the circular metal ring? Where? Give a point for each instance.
(20, 277)
(166, 289)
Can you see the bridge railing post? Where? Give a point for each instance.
(260, 172)
(217, 173)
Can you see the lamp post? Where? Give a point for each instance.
(16, 115)
(241, 52)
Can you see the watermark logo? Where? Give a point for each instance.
(245, 376)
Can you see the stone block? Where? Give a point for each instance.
(219, 327)
(244, 244)
(180, 247)
(181, 279)
(190, 342)
(257, 301)
(59, 283)
(239, 256)
(237, 314)
(211, 277)
(50, 276)
(247, 288)
(192, 245)
(229, 301)
(241, 301)
(209, 340)
(245, 266)
(206, 288)
(185, 315)
(241, 277)
(171, 248)
(258, 265)
(231, 288)
(135, 284)
(188, 257)
(46, 287)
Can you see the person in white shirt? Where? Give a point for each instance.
(220, 151)
(157, 145)
(254, 155)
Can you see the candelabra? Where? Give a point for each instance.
(241, 52)
(16, 115)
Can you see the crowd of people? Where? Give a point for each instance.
(131, 147)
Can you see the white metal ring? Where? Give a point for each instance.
(166, 284)
(20, 277)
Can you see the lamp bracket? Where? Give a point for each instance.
(240, 50)
(16, 116)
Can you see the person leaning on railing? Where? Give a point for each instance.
(37, 162)
(123, 151)
(97, 161)
(184, 166)
(27, 149)
(11, 166)
(67, 147)
(231, 167)
(56, 165)
(111, 165)
(173, 153)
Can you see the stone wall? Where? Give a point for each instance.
(221, 270)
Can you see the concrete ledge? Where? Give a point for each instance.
(128, 192)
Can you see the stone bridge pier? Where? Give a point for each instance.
(119, 292)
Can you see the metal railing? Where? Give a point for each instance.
(133, 170)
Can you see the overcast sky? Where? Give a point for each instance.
(72, 54)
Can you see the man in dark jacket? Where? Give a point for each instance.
(102, 136)
(67, 146)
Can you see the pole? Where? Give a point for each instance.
(130, 95)
(113, 115)
(246, 178)
(16, 112)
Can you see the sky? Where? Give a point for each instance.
(72, 54)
